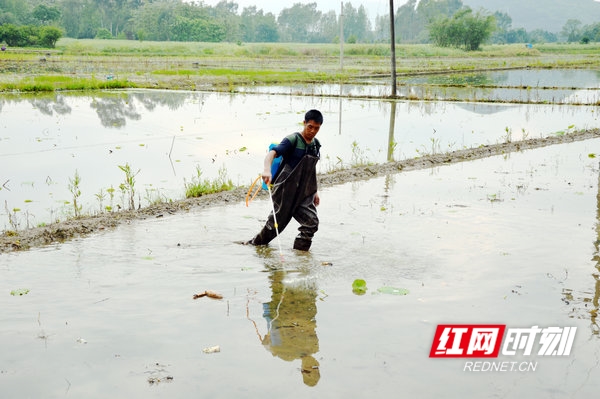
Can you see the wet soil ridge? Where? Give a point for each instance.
(468, 154)
(85, 225)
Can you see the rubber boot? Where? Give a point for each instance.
(302, 243)
(265, 236)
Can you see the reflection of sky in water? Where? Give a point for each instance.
(45, 139)
(580, 78)
(415, 91)
(562, 86)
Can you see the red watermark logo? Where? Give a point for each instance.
(467, 340)
(489, 340)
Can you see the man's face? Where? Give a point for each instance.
(311, 128)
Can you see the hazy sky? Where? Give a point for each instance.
(373, 7)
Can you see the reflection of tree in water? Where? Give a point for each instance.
(46, 103)
(172, 100)
(49, 105)
(291, 323)
(114, 111)
(590, 300)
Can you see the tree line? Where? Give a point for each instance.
(442, 22)
(429, 21)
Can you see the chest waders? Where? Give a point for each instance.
(294, 192)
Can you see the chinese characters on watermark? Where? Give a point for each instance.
(492, 340)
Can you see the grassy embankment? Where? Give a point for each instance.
(114, 64)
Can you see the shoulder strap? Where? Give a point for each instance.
(293, 138)
(302, 144)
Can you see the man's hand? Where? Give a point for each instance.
(317, 199)
(266, 176)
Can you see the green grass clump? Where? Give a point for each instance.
(50, 83)
(199, 187)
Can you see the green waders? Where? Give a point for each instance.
(293, 194)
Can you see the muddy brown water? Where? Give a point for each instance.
(511, 239)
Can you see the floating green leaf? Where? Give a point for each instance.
(359, 287)
(19, 292)
(393, 290)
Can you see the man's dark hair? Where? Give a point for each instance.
(314, 115)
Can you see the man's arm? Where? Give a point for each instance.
(266, 175)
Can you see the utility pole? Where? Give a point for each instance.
(342, 36)
(393, 44)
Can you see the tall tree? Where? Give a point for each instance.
(46, 14)
(430, 10)
(503, 26)
(15, 10)
(381, 33)
(356, 22)
(154, 21)
(248, 23)
(80, 18)
(572, 30)
(542, 36)
(329, 27)
(413, 17)
(225, 15)
(464, 30)
(591, 32)
(256, 26)
(297, 23)
(115, 14)
(408, 22)
(171, 20)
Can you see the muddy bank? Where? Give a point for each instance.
(82, 226)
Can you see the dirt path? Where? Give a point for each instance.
(82, 226)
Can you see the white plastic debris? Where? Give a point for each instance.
(212, 349)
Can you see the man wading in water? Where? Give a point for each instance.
(295, 184)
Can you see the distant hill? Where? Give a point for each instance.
(549, 15)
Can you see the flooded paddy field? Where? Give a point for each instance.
(168, 139)
(509, 240)
(521, 86)
(504, 240)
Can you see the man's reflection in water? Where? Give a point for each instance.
(291, 322)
